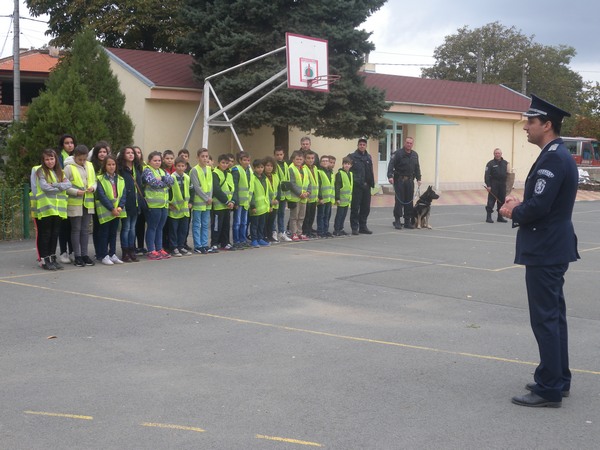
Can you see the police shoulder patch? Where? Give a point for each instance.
(545, 173)
(540, 185)
(553, 148)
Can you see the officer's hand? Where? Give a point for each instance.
(391, 180)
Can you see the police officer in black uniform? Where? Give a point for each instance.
(496, 172)
(403, 169)
(364, 180)
(546, 244)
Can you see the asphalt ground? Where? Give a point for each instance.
(411, 339)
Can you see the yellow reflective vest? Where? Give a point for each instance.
(226, 183)
(104, 215)
(301, 180)
(88, 198)
(47, 204)
(204, 175)
(178, 206)
(346, 189)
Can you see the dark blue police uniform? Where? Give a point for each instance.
(546, 244)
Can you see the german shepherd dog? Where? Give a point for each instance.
(423, 208)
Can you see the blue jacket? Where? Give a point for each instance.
(546, 235)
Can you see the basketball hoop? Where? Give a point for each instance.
(322, 80)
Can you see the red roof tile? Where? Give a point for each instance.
(31, 61)
(423, 91)
(162, 69)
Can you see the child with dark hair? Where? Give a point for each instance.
(201, 178)
(241, 174)
(274, 197)
(311, 166)
(80, 205)
(157, 183)
(110, 208)
(96, 157)
(66, 145)
(326, 197)
(131, 172)
(222, 204)
(179, 208)
(344, 181)
(49, 200)
(298, 177)
(260, 204)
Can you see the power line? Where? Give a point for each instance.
(7, 34)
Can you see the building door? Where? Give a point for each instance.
(387, 146)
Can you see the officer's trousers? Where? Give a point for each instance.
(547, 312)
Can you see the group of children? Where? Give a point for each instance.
(234, 198)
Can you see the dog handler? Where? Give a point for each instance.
(403, 169)
(546, 244)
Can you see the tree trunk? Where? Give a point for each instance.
(282, 138)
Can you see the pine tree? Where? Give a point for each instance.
(227, 32)
(82, 98)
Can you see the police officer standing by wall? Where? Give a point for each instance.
(403, 169)
(546, 244)
(364, 180)
(496, 172)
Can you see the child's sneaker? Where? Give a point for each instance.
(295, 237)
(228, 248)
(213, 249)
(284, 237)
(274, 237)
(115, 259)
(106, 261)
(153, 256)
(263, 243)
(255, 244)
(163, 254)
(184, 251)
(304, 238)
(176, 253)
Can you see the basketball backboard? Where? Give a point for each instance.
(307, 63)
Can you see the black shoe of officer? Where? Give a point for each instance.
(408, 225)
(397, 225)
(501, 219)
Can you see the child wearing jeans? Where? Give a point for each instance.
(343, 195)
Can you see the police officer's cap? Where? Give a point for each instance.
(541, 108)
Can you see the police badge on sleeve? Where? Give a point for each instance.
(540, 185)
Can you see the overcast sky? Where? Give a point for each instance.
(408, 32)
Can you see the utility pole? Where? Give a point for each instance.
(16, 65)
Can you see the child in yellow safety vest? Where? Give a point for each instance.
(242, 187)
(80, 204)
(275, 189)
(222, 204)
(179, 208)
(326, 197)
(260, 204)
(202, 184)
(311, 167)
(297, 195)
(344, 181)
(49, 207)
(110, 209)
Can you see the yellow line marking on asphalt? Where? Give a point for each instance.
(52, 414)
(172, 426)
(289, 441)
(292, 329)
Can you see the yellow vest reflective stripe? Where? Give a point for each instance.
(292, 197)
(104, 215)
(260, 197)
(327, 193)
(273, 188)
(226, 183)
(206, 185)
(50, 204)
(88, 199)
(157, 197)
(346, 189)
(180, 199)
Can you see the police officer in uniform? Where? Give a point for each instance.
(546, 244)
(496, 172)
(403, 169)
(364, 180)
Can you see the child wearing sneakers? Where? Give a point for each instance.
(201, 178)
(179, 208)
(298, 194)
(275, 194)
(111, 198)
(326, 197)
(284, 182)
(344, 181)
(313, 198)
(222, 204)
(241, 196)
(260, 204)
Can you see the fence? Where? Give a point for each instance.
(15, 219)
